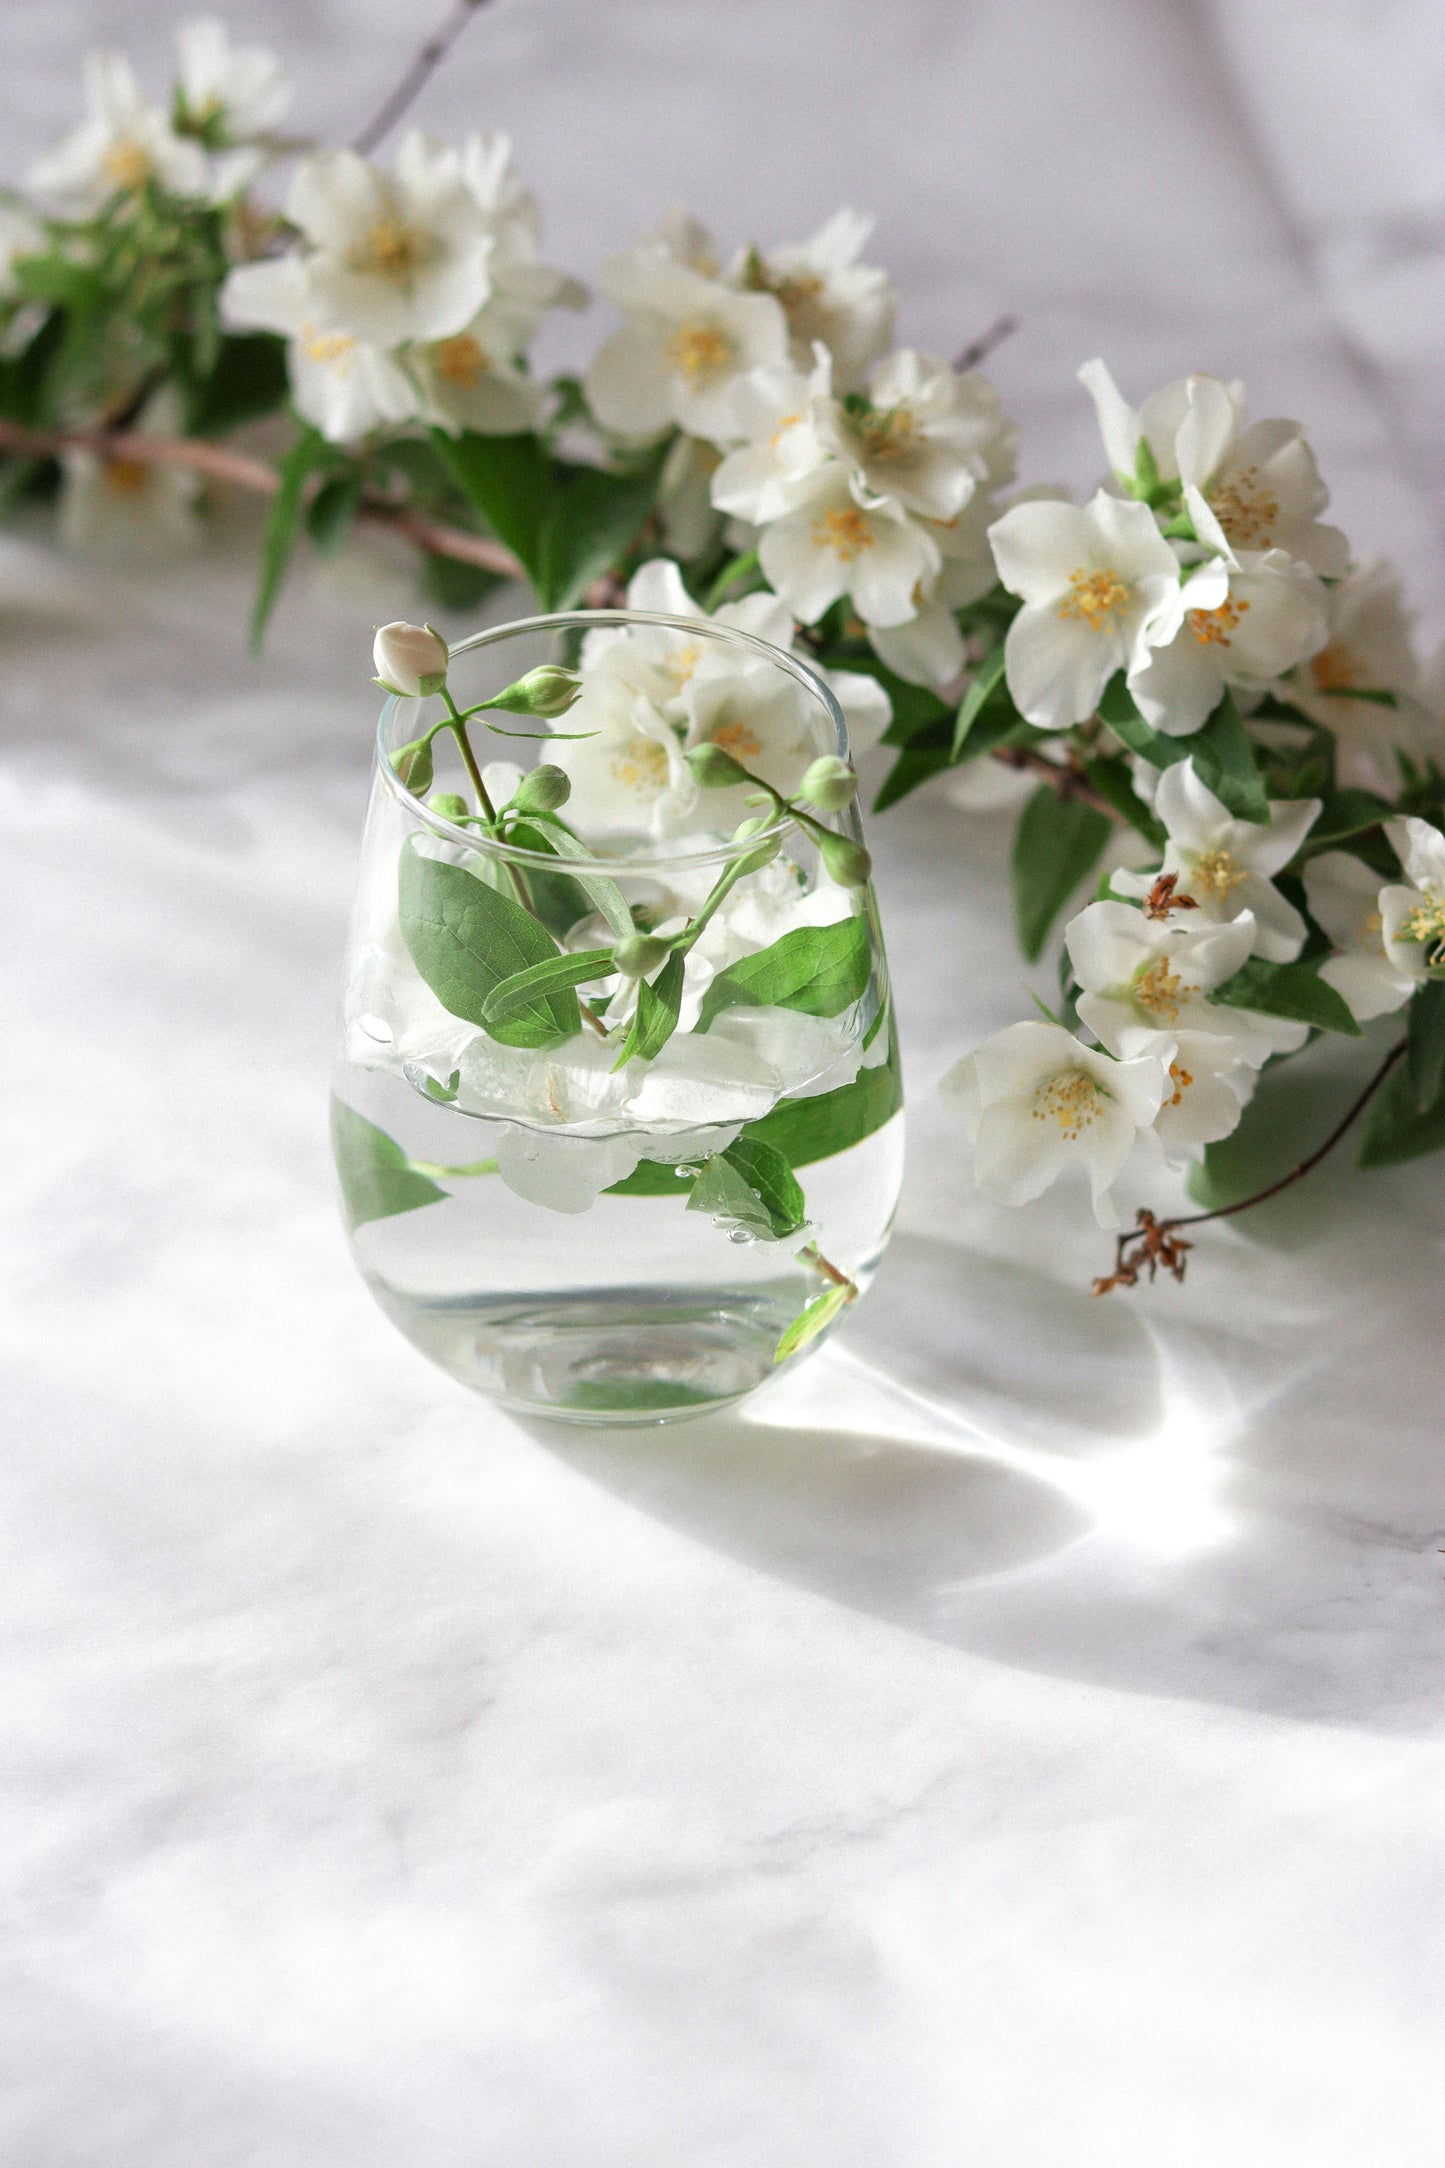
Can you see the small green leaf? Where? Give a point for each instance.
(1056, 844)
(283, 523)
(466, 938)
(1396, 1129)
(1425, 1057)
(989, 676)
(750, 1187)
(1146, 471)
(377, 1179)
(590, 521)
(813, 1319)
(1293, 990)
(518, 992)
(821, 970)
(658, 1006)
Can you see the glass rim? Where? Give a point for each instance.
(720, 854)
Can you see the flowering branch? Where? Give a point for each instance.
(1154, 1242)
(418, 75)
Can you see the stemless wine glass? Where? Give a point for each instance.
(602, 1194)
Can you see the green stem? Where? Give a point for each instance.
(729, 577)
(457, 723)
(436, 1173)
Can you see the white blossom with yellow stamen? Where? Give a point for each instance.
(922, 434)
(1092, 578)
(1272, 615)
(686, 341)
(838, 541)
(473, 380)
(770, 422)
(1412, 912)
(1226, 865)
(1037, 1104)
(121, 145)
(342, 385)
(1209, 1085)
(1144, 975)
(827, 295)
(1344, 900)
(1259, 480)
(227, 99)
(1369, 649)
(132, 510)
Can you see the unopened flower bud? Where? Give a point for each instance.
(413, 765)
(846, 861)
(829, 784)
(548, 691)
(542, 790)
(448, 804)
(410, 660)
(637, 954)
(713, 768)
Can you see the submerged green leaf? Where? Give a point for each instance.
(466, 938)
(751, 1189)
(658, 1006)
(821, 970)
(811, 1320)
(377, 1179)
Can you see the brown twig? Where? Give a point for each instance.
(1068, 780)
(1154, 1242)
(422, 68)
(979, 351)
(220, 464)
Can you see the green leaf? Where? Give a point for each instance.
(1293, 990)
(986, 683)
(466, 938)
(658, 1005)
(1111, 779)
(509, 481)
(750, 1187)
(1056, 844)
(1345, 815)
(914, 707)
(247, 380)
(544, 832)
(1425, 1056)
(455, 585)
(331, 511)
(1224, 760)
(377, 1179)
(821, 970)
(909, 770)
(1116, 706)
(59, 282)
(1395, 1127)
(590, 521)
(518, 992)
(283, 523)
(802, 1131)
(812, 1320)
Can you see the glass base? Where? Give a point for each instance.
(624, 1356)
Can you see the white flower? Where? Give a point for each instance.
(410, 659)
(1143, 975)
(1091, 577)
(1123, 429)
(1272, 614)
(1210, 1084)
(827, 295)
(524, 286)
(341, 384)
(1037, 1104)
(393, 256)
(20, 235)
(773, 412)
(472, 379)
(923, 435)
(121, 144)
(684, 496)
(929, 648)
(1344, 899)
(1226, 864)
(686, 342)
(132, 509)
(1368, 649)
(226, 97)
(836, 541)
(1413, 912)
(1261, 482)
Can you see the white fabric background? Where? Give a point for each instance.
(1016, 1740)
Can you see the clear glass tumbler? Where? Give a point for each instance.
(628, 1187)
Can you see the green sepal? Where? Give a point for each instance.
(377, 1179)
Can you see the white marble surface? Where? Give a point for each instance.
(1017, 1740)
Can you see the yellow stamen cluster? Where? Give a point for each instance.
(1160, 992)
(681, 662)
(1094, 598)
(126, 477)
(394, 250)
(739, 740)
(1216, 628)
(1072, 1099)
(1246, 509)
(463, 361)
(789, 421)
(1336, 668)
(1425, 925)
(128, 164)
(701, 351)
(1181, 1079)
(887, 432)
(843, 530)
(326, 347)
(641, 764)
(1216, 874)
